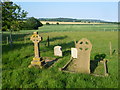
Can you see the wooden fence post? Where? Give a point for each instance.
(48, 42)
(7, 40)
(110, 48)
(24, 39)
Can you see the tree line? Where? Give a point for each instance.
(73, 20)
(13, 18)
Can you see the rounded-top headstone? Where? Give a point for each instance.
(58, 51)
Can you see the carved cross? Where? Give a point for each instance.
(84, 48)
(84, 45)
(36, 39)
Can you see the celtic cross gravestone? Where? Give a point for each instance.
(37, 60)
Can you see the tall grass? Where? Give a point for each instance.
(15, 60)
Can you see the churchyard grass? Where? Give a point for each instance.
(16, 59)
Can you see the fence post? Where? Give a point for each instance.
(7, 40)
(110, 48)
(48, 42)
(24, 39)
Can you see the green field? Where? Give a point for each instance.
(15, 59)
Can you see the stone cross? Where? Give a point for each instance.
(36, 39)
(37, 60)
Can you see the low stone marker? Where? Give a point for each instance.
(74, 52)
(37, 60)
(58, 51)
(105, 68)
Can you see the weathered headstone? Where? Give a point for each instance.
(84, 47)
(74, 52)
(58, 51)
(82, 63)
(37, 60)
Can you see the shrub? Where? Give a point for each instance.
(47, 23)
(57, 23)
(32, 23)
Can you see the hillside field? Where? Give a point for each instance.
(54, 22)
(16, 59)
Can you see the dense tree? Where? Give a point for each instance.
(32, 23)
(11, 16)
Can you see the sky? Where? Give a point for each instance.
(107, 11)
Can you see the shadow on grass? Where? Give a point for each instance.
(45, 42)
(20, 37)
(7, 48)
(66, 53)
(94, 63)
(15, 37)
(57, 38)
(63, 45)
(49, 63)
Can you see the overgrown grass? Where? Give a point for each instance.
(15, 60)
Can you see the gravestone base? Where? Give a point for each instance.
(44, 62)
(50, 61)
(101, 70)
(71, 66)
(37, 62)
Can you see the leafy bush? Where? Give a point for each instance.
(32, 23)
(57, 23)
(47, 23)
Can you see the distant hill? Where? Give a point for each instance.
(72, 20)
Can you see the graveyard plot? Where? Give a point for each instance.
(15, 60)
(38, 61)
(96, 68)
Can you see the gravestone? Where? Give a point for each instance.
(82, 63)
(37, 60)
(58, 51)
(74, 52)
(84, 47)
